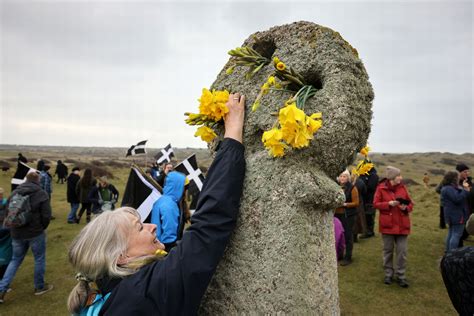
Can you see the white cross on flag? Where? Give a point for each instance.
(190, 168)
(139, 148)
(20, 175)
(140, 193)
(165, 154)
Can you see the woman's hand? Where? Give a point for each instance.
(393, 203)
(234, 120)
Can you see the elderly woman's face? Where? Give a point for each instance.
(142, 239)
(343, 178)
(398, 179)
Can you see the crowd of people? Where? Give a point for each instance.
(365, 194)
(85, 193)
(127, 266)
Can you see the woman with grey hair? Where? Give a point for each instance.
(118, 259)
(395, 205)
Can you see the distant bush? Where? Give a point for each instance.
(409, 181)
(437, 172)
(449, 161)
(414, 160)
(96, 170)
(4, 163)
(97, 163)
(71, 161)
(116, 164)
(379, 163)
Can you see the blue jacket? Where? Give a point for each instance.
(454, 201)
(166, 213)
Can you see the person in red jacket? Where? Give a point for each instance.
(394, 203)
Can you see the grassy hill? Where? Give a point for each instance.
(362, 291)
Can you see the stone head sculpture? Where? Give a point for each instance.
(281, 257)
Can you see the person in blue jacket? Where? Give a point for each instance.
(166, 213)
(120, 270)
(453, 199)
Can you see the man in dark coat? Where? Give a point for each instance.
(30, 235)
(21, 159)
(72, 197)
(371, 181)
(61, 171)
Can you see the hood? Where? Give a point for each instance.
(28, 188)
(174, 185)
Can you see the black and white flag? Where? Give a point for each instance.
(140, 193)
(190, 168)
(164, 155)
(137, 149)
(20, 174)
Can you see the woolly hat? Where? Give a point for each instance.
(460, 167)
(391, 172)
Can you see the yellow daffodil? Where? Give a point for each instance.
(363, 167)
(206, 134)
(365, 151)
(291, 115)
(272, 141)
(205, 102)
(281, 66)
(213, 104)
(317, 116)
(276, 60)
(313, 124)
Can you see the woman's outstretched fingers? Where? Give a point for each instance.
(234, 120)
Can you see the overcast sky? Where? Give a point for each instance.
(112, 73)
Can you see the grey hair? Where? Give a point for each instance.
(95, 252)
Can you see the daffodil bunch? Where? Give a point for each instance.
(293, 129)
(212, 109)
(247, 56)
(363, 167)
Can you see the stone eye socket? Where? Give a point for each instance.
(266, 48)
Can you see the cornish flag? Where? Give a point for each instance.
(164, 155)
(190, 168)
(137, 149)
(140, 193)
(20, 174)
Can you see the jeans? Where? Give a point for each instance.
(20, 247)
(454, 236)
(72, 215)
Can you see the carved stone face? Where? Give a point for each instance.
(327, 62)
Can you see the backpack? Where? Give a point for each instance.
(18, 211)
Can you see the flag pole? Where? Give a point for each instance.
(146, 159)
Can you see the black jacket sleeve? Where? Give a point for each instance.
(176, 285)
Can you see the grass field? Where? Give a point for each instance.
(362, 291)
